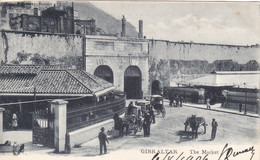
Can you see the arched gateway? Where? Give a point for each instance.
(104, 72)
(133, 82)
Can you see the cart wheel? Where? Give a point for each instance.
(163, 112)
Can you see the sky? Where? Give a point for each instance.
(202, 22)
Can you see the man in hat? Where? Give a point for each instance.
(214, 129)
(102, 140)
(147, 124)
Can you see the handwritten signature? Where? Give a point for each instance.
(229, 151)
(227, 154)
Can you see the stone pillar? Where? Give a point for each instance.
(59, 107)
(1, 125)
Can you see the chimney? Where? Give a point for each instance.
(123, 27)
(35, 11)
(140, 35)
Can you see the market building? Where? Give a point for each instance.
(28, 88)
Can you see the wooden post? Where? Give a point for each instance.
(1, 125)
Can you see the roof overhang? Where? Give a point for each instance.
(102, 92)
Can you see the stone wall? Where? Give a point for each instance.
(61, 49)
(201, 51)
(175, 61)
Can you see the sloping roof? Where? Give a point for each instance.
(49, 81)
(24, 69)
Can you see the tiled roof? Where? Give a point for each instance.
(50, 81)
(24, 69)
(93, 82)
(16, 69)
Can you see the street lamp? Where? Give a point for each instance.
(245, 98)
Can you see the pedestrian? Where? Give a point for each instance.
(245, 110)
(14, 121)
(240, 105)
(177, 101)
(181, 101)
(171, 99)
(102, 140)
(151, 112)
(214, 128)
(208, 103)
(147, 124)
(130, 108)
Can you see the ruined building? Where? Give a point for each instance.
(56, 19)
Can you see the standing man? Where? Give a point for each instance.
(146, 124)
(151, 112)
(102, 140)
(208, 103)
(240, 105)
(181, 101)
(214, 129)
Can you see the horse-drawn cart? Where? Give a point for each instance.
(133, 121)
(157, 104)
(195, 123)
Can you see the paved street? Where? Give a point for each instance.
(233, 129)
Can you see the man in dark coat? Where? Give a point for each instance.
(240, 105)
(151, 112)
(147, 124)
(214, 129)
(102, 140)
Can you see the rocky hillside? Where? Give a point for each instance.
(180, 70)
(108, 23)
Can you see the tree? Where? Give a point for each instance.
(37, 59)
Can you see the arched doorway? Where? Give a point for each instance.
(156, 87)
(133, 82)
(104, 72)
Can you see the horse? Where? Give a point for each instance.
(194, 127)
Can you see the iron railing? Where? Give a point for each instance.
(84, 115)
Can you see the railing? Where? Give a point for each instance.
(88, 114)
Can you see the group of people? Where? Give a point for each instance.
(176, 101)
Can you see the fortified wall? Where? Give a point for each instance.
(58, 48)
(175, 61)
(110, 57)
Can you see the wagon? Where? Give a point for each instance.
(157, 104)
(145, 105)
(200, 121)
(133, 122)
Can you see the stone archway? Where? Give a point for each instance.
(156, 87)
(133, 82)
(104, 72)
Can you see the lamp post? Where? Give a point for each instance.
(245, 98)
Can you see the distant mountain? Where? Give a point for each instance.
(108, 23)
